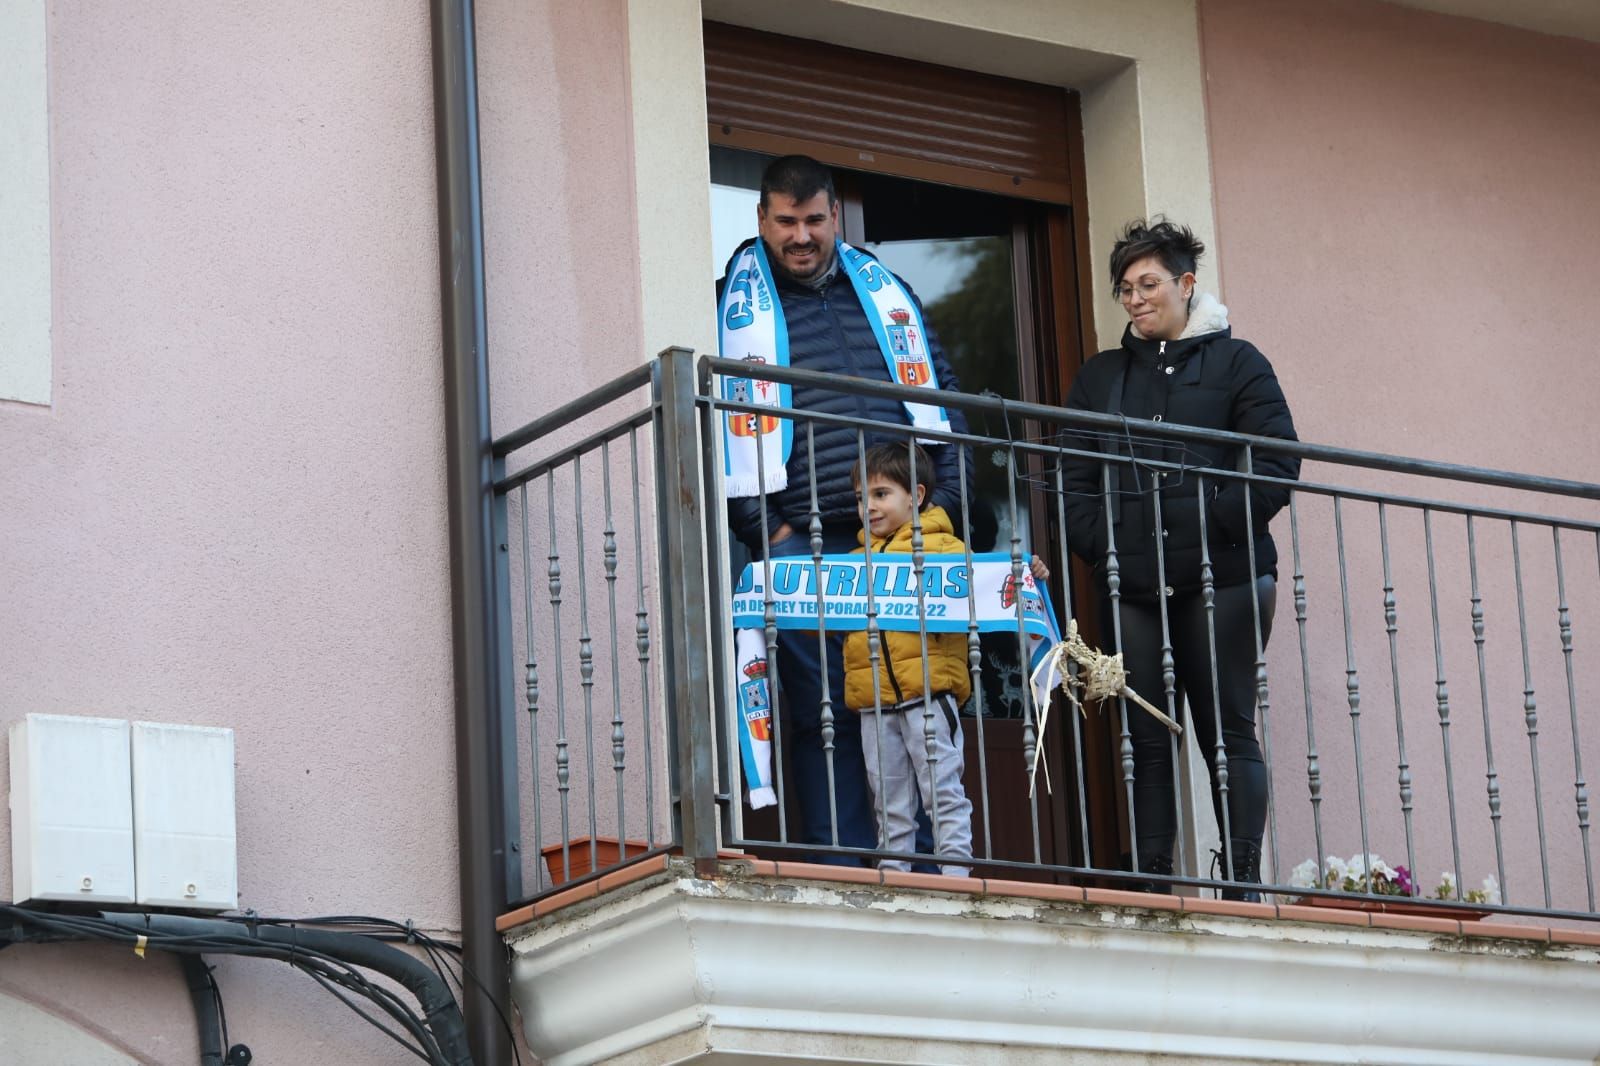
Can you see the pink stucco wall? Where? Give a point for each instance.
(564, 318)
(233, 513)
(1405, 203)
(1408, 229)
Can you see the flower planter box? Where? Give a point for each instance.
(608, 852)
(1397, 905)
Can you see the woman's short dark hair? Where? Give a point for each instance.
(1176, 246)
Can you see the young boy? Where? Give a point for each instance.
(900, 767)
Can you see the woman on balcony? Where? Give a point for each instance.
(1180, 363)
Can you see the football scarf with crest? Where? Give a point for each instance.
(954, 590)
(750, 327)
(755, 717)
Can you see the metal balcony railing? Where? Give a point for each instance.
(1427, 704)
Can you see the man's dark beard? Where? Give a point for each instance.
(824, 267)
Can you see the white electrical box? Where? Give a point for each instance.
(184, 836)
(71, 810)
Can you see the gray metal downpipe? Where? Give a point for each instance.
(480, 774)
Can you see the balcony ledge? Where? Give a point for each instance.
(759, 964)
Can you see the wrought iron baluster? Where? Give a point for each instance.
(814, 530)
(1441, 695)
(618, 739)
(1030, 727)
(641, 640)
(1114, 596)
(1219, 770)
(1530, 712)
(531, 690)
(1313, 764)
(874, 644)
(563, 769)
(1263, 700)
(1391, 625)
(769, 622)
(1072, 670)
(1478, 628)
(1169, 678)
(974, 647)
(585, 659)
(930, 727)
(1580, 789)
(1352, 687)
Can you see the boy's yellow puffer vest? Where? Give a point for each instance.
(900, 664)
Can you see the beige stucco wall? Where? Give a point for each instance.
(24, 204)
(232, 512)
(1406, 213)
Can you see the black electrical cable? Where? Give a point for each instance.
(395, 932)
(329, 958)
(222, 1011)
(300, 954)
(442, 1015)
(203, 994)
(375, 1023)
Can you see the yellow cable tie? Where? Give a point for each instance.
(138, 945)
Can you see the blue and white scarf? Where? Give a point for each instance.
(953, 592)
(751, 328)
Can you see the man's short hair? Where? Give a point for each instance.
(799, 177)
(892, 462)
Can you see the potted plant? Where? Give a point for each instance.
(1375, 885)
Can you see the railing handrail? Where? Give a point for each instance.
(1092, 420)
(1039, 449)
(593, 400)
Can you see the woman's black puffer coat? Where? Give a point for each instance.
(829, 332)
(1208, 380)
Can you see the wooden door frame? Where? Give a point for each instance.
(1052, 277)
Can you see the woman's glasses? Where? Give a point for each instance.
(1146, 287)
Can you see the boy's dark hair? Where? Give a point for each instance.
(893, 461)
(1176, 246)
(799, 177)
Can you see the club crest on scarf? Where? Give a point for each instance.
(753, 700)
(905, 343)
(1008, 593)
(749, 390)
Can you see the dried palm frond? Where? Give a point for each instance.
(1100, 677)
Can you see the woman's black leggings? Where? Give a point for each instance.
(1155, 813)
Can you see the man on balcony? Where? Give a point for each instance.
(837, 311)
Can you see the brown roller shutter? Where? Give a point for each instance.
(880, 113)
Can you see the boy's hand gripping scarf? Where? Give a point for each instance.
(750, 327)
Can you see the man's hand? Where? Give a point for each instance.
(783, 531)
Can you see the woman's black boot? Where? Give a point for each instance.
(1246, 870)
(1157, 861)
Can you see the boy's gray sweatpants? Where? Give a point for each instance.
(895, 745)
